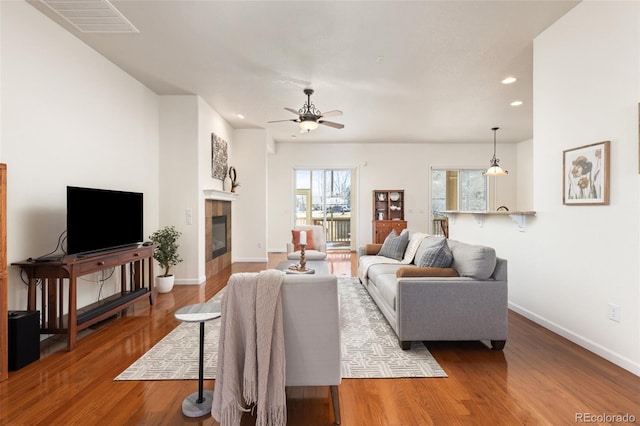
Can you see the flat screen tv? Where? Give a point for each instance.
(101, 219)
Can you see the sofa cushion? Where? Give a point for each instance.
(409, 271)
(296, 239)
(438, 256)
(425, 244)
(387, 286)
(394, 245)
(473, 261)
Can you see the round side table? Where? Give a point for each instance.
(199, 403)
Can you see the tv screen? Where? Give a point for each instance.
(101, 219)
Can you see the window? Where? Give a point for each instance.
(462, 189)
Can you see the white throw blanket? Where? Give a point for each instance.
(415, 239)
(251, 361)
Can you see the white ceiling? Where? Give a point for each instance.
(417, 71)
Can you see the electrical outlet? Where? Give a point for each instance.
(614, 312)
(189, 216)
(259, 245)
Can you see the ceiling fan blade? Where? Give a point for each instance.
(293, 111)
(295, 120)
(333, 113)
(331, 124)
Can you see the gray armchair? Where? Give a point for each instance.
(312, 333)
(319, 241)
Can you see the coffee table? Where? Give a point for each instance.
(199, 403)
(320, 267)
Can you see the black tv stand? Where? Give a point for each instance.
(136, 278)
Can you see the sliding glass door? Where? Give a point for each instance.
(323, 197)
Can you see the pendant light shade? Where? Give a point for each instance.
(494, 169)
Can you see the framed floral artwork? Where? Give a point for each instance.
(585, 173)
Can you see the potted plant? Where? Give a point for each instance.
(234, 185)
(166, 253)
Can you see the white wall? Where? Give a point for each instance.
(525, 175)
(379, 166)
(186, 124)
(179, 178)
(572, 261)
(249, 211)
(69, 117)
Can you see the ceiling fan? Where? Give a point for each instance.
(309, 116)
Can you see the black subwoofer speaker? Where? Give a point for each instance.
(24, 338)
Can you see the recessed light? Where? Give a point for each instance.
(240, 116)
(509, 80)
(380, 59)
(516, 103)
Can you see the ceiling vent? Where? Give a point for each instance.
(91, 16)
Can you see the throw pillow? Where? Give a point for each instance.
(438, 256)
(415, 239)
(410, 271)
(296, 239)
(394, 245)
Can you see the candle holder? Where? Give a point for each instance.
(303, 259)
(301, 268)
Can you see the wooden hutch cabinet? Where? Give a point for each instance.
(388, 213)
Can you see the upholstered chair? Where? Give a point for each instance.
(312, 333)
(319, 252)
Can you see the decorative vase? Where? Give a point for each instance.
(164, 284)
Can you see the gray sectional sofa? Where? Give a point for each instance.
(467, 301)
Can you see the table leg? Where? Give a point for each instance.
(199, 403)
(201, 371)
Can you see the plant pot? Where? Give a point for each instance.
(164, 284)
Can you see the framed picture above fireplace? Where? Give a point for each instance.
(219, 157)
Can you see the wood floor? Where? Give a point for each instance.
(539, 379)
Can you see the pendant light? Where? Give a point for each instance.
(494, 169)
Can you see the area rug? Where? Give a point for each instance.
(369, 346)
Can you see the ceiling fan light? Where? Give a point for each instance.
(308, 125)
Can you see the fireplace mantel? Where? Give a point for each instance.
(214, 194)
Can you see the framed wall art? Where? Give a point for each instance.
(219, 157)
(585, 172)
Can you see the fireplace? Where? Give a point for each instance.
(218, 236)
(218, 228)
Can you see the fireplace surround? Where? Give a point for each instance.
(217, 236)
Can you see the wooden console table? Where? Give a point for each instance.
(132, 262)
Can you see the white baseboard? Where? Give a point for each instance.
(191, 281)
(251, 259)
(591, 346)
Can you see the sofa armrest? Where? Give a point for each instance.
(371, 249)
(427, 271)
(451, 309)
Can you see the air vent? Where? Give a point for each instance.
(91, 16)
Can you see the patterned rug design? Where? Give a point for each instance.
(369, 346)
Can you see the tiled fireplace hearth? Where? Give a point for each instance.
(217, 236)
